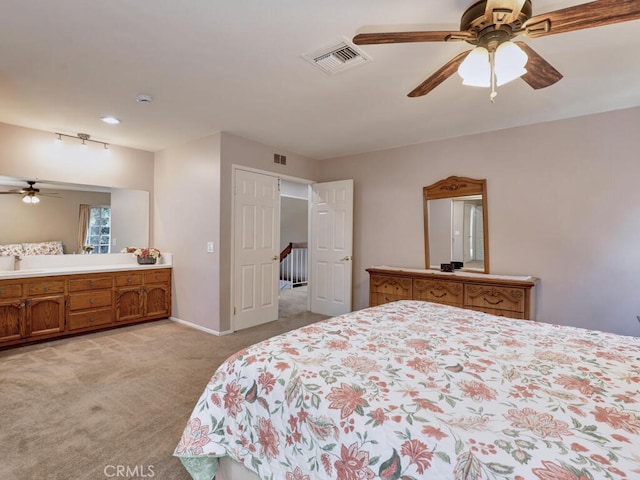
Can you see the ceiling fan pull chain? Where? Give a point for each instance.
(492, 61)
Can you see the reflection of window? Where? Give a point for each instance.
(99, 230)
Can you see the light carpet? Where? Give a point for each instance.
(110, 404)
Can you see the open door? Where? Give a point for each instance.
(331, 247)
(256, 254)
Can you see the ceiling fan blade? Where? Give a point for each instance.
(503, 11)
(10, 193)
(408, 37)
(578, 17)
(440, 76)
(540, 73)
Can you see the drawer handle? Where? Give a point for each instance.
(92, 301)
(91, 283)
(91, 319)
(493, 303)
(438, 296)
(1, 290)
(46, 289)
(129, 280)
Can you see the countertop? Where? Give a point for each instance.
(52, 271)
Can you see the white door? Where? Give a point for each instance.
(331, 247)
(256, 255)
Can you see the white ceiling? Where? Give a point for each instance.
(236, 66)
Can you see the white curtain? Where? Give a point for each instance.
(83, 225)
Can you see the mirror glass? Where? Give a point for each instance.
(56, 216)
(456, 224)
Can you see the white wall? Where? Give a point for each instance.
(187, 206)
(562, 205)
(294, 221)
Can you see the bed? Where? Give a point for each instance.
(414, 390)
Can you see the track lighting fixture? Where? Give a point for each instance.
(85, 137)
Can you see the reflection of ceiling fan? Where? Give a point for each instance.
(491, 24)
(30, 194)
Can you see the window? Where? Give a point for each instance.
(99, 230)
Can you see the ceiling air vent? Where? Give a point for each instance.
(337, 58)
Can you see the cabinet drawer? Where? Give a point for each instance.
(10, 290)
(129, 280)
(93, 283)
(158, 276)
(495, 298)
(380, 298)
(449, 293)
(90, 319)
(99, 298)
(391, 285)
(46, 287)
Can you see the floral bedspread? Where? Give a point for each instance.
(415, 390)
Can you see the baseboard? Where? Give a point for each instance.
(200, 327)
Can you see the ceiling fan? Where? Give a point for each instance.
(490, 25)
(29, 194)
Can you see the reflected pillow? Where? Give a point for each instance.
(43, 248)
(11, 249)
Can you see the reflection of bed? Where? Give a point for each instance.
(411, 390)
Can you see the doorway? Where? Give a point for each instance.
(256, 252)
(293, 298)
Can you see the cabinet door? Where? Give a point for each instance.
(12, 325)
(45, 315)
(129, 304)
(157, 301)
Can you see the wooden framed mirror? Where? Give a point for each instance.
(456, 226)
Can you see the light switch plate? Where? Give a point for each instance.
(210, 248)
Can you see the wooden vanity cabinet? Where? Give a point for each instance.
(500, 295)
(38, 308)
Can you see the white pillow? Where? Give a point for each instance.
(43, 248)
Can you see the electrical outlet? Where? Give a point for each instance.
(210, 248)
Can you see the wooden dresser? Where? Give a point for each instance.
(502, 295)
(42, 308)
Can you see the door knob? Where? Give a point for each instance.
(345, 259)
(275, 257)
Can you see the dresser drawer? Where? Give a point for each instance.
(10, 290)
(99, 298)
(449, 293)
(90, 319)
(158, 276)
(491, 298)
(391, 285)
(46, 287)
(93, 283)
(128, 280)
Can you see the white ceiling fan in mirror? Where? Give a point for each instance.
(30, 194)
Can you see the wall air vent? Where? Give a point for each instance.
(337, 58)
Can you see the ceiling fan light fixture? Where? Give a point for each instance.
(475, 70)
(510, 61)
(30, 198)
